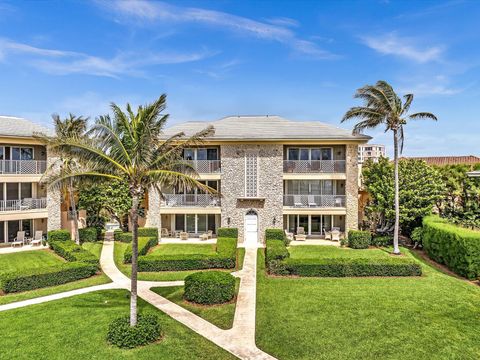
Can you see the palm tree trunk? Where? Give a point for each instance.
(73, 206)
(133, 296)
(396, 230)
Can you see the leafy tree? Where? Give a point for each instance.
(382, 106)
(420, 189)
(128, 147)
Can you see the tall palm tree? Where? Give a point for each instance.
(382, 106)
(72, 127)
(128, 147)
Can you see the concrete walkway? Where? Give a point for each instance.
(10, 250)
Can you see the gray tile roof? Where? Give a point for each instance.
(267, 128)
(19, 127)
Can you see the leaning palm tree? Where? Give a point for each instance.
(128, 147)
(382, 106)
(72, 127)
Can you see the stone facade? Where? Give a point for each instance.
(351, 187)
(54, 202)
(269, 202)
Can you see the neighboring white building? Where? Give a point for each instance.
(370, 151)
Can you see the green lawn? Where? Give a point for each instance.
(28, 260)
(120, 247)
(435, 316)
(220, 315)
(94, 247)
(75, 328)
(187, 249)
(330, 252)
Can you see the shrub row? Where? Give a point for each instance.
(209, 287)
(456, 247)
(73, 252)
(382, 241)
(358, 239)
(227, 233)
(59, 235)
(275, 250)
(276, 234)
(225, 258)
(142, 232)
(30, 279)
(122, 335)
(144, 244)
(88, 234)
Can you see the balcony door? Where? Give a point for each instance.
(22, 153)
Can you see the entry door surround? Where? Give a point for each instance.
(251, 229)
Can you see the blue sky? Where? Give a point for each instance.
(301, 59)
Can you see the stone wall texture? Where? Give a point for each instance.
(270, 187)
(54, 201)
(351, 187)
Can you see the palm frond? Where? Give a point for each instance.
(423, 116)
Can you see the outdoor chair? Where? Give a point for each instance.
(210, 234)
(297, 202)
(19, 239)
(204, 236)
(328, 235)
(164, 232)
(300, 230)
(289, 235)
(300, 237)
(335, 235)
(311, 201)
(183, 235)
(37, 239)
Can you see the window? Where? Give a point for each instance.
(316, 154)
(304, 154)
(22, 153)
(309, 154)
(292, 154)
(2, 153)
(26, 190)
(12, 191)
(326, 154)
(202, 154)
(251, 175)
(202, 223)
(180, 222)
(189, 154)
(13, 228)
(212, 154)
(190, 223)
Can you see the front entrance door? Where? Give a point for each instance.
(251, 229)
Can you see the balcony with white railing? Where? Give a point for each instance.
(314, 201)
(23, 205)
(187, 200)
(314, 166)
(205, 166)
(28, 167)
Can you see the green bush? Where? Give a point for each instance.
(276, 234)
(382, 241)
(225, 258)
(142, 232)
(125, 237)
(275, 250)
(59, 235)
(209, 287)
(417, 236)
(122, 335)
(88, 234)
(36, 278)
(458, 248)
(144, 244)
(73, 252)
(227, 233)
(343, 267)
(358, 239)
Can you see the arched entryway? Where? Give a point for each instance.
(251, 228)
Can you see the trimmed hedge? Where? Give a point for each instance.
(59, 235)
(144, 244)
(358, 239)
(73, 252)
(88, 234)
(142, 232)
(382, 241)
(227, 233)
(225, 258)
(458, 248)
(275, 250)
(342, 267)
(276, 234)
(209, 287)
(122, 335)
(36, 278)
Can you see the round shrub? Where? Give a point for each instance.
(417, 235)
(359, 239)
(121, 334)
(209, 287)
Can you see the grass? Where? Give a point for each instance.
(330, 252)
(186, 249)
(435, 316)
(75, 328)
(94, 247)
(219, 315)
(120, 247)
(28, 260)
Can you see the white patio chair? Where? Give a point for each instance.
(183, 235)
(164, 232)
(210, 234)
(328, 235)
(335, 235)
(37, 239)
(300, 237)
(311, 201)
(300, 230)
(19, 239)
(289, 235)
(297, 202)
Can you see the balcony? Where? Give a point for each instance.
(23, 205)
(313, 166)
(205, 166)
(314, 201)
(32, 167)
(187, 200)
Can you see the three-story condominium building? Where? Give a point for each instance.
(23, 160)
(271, 173)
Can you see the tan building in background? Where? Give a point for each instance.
(370, 151)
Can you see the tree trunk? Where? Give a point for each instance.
(396, 230)
(133, 296)
(73, 206)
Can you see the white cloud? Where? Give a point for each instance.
(143, 11)
(433, 86)
(60, 62)
(391, 44)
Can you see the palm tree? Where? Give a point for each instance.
(382, 106)
(128, 147)
(72, 127)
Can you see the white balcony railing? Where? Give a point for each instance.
(23, 205)
(201, 200)
(314, 201)
(314, 166)
(22, 166)
(205, 166)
